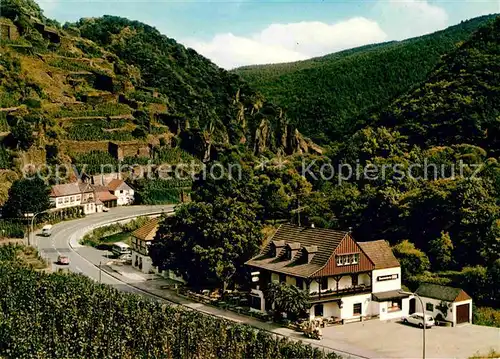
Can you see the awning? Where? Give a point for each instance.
(385, 296)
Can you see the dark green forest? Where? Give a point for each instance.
(326, 97)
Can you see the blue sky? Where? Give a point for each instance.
(242, 32)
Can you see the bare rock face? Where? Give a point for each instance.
(296, 143)
(261, 140)
(284, 138)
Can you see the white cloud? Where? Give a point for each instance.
(408, 18)
(229, 51)
(288, 42)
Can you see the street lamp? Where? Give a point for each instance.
(425, 319)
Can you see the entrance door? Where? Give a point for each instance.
(412, 306)
(463, 313)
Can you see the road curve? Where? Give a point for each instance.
(64, 241)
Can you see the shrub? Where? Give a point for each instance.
(486, 316)
(12, 228)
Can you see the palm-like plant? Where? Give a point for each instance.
(287, 299)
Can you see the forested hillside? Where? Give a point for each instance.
(326, 96)
(460, 102)
(443, 214)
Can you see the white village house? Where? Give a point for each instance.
(346, 280)
(122, 191)
(92, 197)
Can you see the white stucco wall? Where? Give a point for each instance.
(330, 309)
(147, 263)
(259, 294)
(364, 279)
(348, 304)
(313, 287)
(344, 282)
(125, 198)
(435, 312)
(387, 285)
(451, 312)
(385, 314)
(65, 201)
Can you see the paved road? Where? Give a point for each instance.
(65, 235)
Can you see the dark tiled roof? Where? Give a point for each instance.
(391, 294)
(148, 231)
(380, 253)
(69, 189)
(326, 241)
(441, 292)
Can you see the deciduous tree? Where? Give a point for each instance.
(208, 243)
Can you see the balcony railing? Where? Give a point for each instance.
(335, 293)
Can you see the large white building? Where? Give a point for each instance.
(74, 195)
(92, 197)
(346, 280)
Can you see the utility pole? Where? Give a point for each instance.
(298, 210)
(100, 272)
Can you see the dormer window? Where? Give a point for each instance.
(276, 247)
(292, 249)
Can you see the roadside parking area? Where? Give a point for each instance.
(398, 340)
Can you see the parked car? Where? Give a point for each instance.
(105, 209)
(47, 230)
(63, 260)
(127, 258)
(120, 248)
(418, 320)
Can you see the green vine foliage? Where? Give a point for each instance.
(62, 315)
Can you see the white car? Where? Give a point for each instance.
(418, 319)
(105, 209)
(127, 258)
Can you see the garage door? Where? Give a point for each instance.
(463, 313)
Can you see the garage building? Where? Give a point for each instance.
(452, 304)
